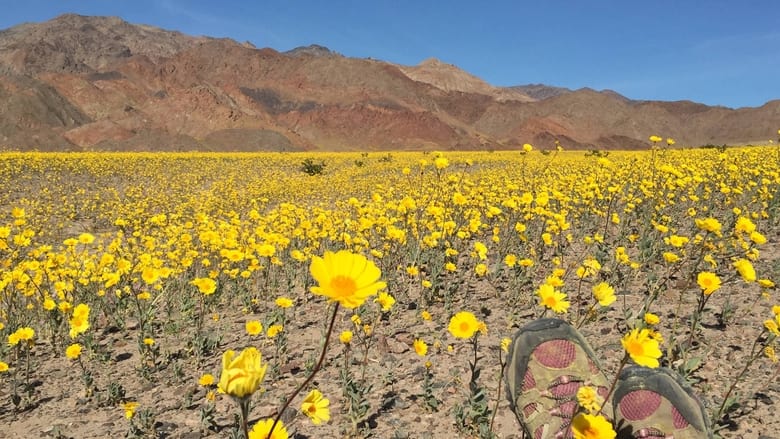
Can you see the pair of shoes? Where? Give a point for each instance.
(549, 361)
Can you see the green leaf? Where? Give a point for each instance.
(692, 364)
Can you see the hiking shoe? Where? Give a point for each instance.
(548, 362)
(657, 404)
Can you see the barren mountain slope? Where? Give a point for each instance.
(82, 83)
(448, 77)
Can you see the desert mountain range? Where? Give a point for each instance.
(100, 83)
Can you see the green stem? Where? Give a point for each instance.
(27, 367)
(749, 363)
(614, 381)
(243, 403)
(585, 317)
(366, 345)
(607, 217)
(14, 394)
(688, 284)
(696, 318)
(476, 358)
(200, 315)
(498, 397)
(579, 298)
(313, 372)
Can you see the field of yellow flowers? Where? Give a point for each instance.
(354, 295)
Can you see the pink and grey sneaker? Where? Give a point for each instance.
(548, 362)
(657, 404)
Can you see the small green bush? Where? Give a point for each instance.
(311, 167)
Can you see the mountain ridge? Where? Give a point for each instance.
(100, 83)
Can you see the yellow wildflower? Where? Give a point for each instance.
(420, 347)
(709, 225)
(386, 301)
(589, 399)
(129, 408)
(274, 330)
(746, 270)
(772, 327)
(205, 285)
(21, 334)
(284, 302)
(708, 281)
(585, 426)
(651, 319)
(642, 348)
(346, 337)
(345, 277)
(505, 342)
(510, 260)
(206, 379)
(604, 293)
(241, 375)
(463, 325)
(769, 352)
(253, 327)
(262, 430)
(671, 257)
(553, 299)
(73, 352)
(316, 407)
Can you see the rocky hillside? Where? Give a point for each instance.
(100, 83)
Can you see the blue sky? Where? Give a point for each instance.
(715, 52)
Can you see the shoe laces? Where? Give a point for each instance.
(563, 390)
(650, 433)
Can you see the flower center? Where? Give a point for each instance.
(592, 432)
(343, 286)
(635, 348)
